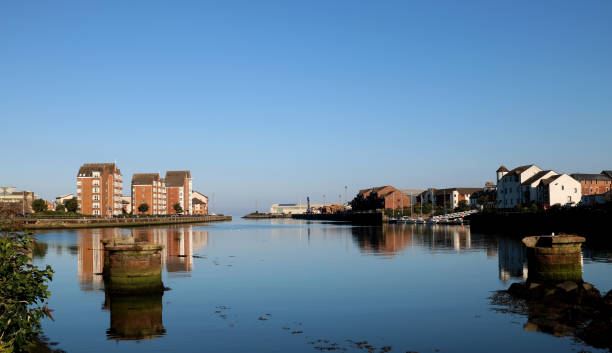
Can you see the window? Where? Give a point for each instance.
(96, 190)
(96, 212)
(96, 197)
(78, 182)
(96, 205)
(575, 190)
(96, 182)
(562, 187)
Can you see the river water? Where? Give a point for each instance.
(298, 286)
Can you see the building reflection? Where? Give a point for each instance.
(391, 239)
(179, 246)
(512, 259)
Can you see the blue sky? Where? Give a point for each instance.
(276, 100)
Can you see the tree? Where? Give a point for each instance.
(462, 206)
(143, 208)
(22, 294)
(177, 207)
(60, 207)
(39, 205)
(72, 205)
(427, 208)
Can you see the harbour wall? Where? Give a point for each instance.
(51, 223)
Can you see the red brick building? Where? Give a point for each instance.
(594, 184)
(388, 196)
(150, 189)
(99, 188)
(179, 190)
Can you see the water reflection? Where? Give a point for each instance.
(391, 239)
(554, 298)
(134, 317)
(179, 246)
(512, 259)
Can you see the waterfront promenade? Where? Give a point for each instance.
(71, 223)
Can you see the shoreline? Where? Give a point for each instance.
(76, 223)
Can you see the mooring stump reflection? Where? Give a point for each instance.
(135, 317)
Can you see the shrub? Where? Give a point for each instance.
(39, 205)
(23, 291)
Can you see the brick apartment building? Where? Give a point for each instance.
(150, 189)
(99, 189)
(179, 190)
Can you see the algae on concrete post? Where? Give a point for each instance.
(554, 258)
(135, 317)
(132, 267)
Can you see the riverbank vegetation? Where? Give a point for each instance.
(23, 292)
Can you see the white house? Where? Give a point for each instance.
(559, 189)
(529, 188)
(509, 193)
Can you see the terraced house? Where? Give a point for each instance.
(149, 189)
(530, 184)
(99, 188)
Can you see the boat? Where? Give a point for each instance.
(392, 220)
(431, 220)
(408, 220)
(420, 221)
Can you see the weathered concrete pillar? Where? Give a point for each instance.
(554, 258)
(132, 268)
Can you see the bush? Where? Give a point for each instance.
(23, 291)
(72, 205)
(39, 205)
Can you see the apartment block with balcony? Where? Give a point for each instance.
(99, 188)
(179, 190)
(150, 189)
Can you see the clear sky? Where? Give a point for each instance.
(272, 101)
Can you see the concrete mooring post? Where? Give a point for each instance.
(132, 268)
(554, 258)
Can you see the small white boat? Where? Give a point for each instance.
(420, 221)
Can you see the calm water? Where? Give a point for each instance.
(281, 286)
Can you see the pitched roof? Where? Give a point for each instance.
(87, 168)
(550, 180)
(502, 169)
(197, 201)
(536, 177)
(580, 176)
(144, 178)
(176, 178)
(519, 170)
(375, 189)
(607, 172)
